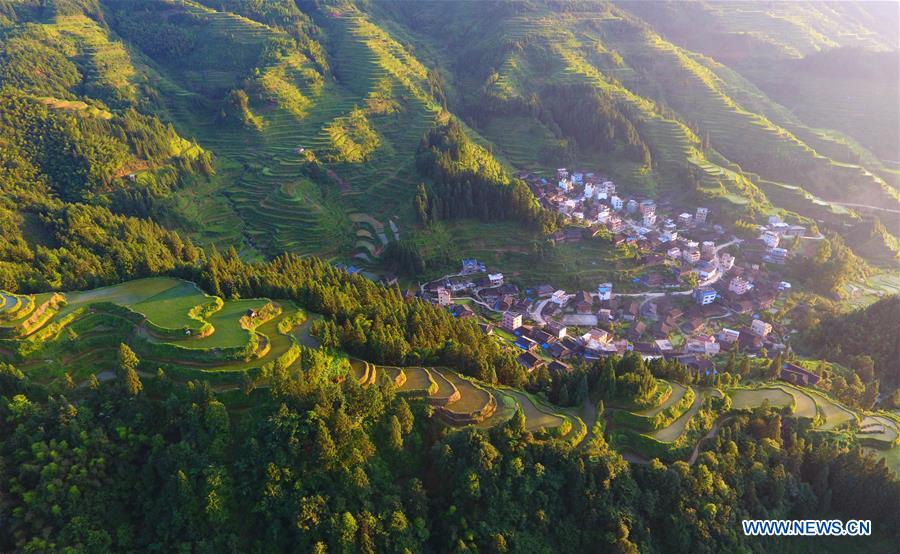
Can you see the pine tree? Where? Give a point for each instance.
(396, 434)
(405, 415)
(133, 384)
(127, 359)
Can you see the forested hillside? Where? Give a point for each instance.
(295, 126)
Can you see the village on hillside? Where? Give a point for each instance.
(708, 294)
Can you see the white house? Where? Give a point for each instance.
(588, 190)
(602, 214)
(616, 203)
(673, 253)
(684, 219)
(565, 185)
(496, 279)
(668, 236)
(559, 297)
(649, 219)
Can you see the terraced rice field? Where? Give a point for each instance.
(445, 389)
(835, 415)
(675, 430)
(472, 398)
(417, 379)
(537, 417)
(126, 294)
(744, 398)
(678, 391)
(226, 321)
(169, 309)
(279, 343)
(878, 428)
(804, 404)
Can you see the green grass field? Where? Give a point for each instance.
(169, 309)
(228, 331)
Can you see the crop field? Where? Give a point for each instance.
(536, 416)
(834, 414)
(128, 293)
(804, 404)
(878, 428)
(676, 429)
(472, 398)
(506, 245)
(228, 331)
(169, 309)
(891, 457)
(743, 398)
(417, 379)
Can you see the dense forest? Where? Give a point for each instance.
(149, 464)
(870, 332)
(469, 183)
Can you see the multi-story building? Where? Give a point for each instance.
(673, 253)
(648, 207)
(615, 224)
(760, 328)
(684, 219)
(700, 215)
(616, 203)
(512, 320)
(771, 239)
(705, 296)
(443, 296)
(739, 285)
(691, 255)
(708, 249)
(726, 261)
(649, 219)
(632, 206)
(559, 297)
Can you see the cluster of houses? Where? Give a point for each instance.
(673, 248)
